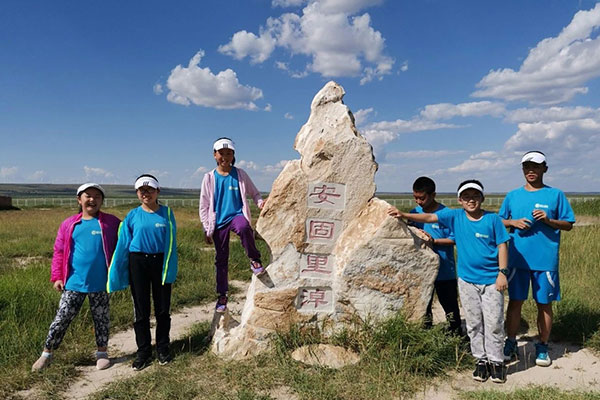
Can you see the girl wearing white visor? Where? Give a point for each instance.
(146, 259)
(224, 208)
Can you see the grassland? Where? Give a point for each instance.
(397, 358)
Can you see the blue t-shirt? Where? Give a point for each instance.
(88, 271)
(535, 248)
(228, 202)
(476, 243)
(148, 230)
(447, 269)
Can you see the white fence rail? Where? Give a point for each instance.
(407, 202)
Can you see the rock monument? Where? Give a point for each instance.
(336, 254)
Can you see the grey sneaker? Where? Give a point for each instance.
(41, 362)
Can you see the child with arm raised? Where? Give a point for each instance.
(481, 242)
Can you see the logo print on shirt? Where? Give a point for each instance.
(481, 235)
(159, 225)
(538, 205)
(435, 226)
(233, 188)
(96, 233)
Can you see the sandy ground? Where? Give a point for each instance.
(573, 368)
(122, 349)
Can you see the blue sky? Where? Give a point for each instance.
(105, 91)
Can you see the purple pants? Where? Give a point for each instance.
(242, 228)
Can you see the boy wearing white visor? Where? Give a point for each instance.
(535, 214)
(481, 243)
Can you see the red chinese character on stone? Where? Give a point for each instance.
(314, 296)
(316, 263)
(321, 230)
(323, 193)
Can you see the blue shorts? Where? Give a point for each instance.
(545, 285)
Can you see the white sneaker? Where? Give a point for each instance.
(42, 362)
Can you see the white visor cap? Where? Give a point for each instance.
(88, 185)
(470, 185)
(224, 144)
(146, 181)
(534, 156)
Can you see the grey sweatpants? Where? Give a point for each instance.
(484, 312)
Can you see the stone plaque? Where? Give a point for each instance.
(315, 299)
(317, 266)
(322, 230)
(327, 195)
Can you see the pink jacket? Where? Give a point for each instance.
(109, 225)
(208, 217)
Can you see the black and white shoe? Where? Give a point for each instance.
(482, 371)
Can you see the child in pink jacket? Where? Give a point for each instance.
(224, 208)
(83, 249)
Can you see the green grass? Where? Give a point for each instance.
(397, 358)
(590, 207)
(28, 302)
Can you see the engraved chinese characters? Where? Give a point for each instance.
(321, 231)
(335, 253)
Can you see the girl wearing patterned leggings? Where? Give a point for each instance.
(82, 252)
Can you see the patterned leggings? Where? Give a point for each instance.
(68, 308)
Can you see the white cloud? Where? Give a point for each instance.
(249, 165)
(37, 176)
(95, 173)
(276, 168)
(574, 139)
(201, 87)
(362, 115)
(404, 66)
(551, 114)
(287, 115)
(247, 44)
(268, 107)
(288, 3)
(157, 88)
(352, 48)
(344, 6)
(474, 109)
(486, 161)
(8, 172)
(422, 154)
(555, 70)
(199, 172)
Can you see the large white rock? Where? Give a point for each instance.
(337, 255)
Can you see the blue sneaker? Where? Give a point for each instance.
(541, 355)
(511, 351)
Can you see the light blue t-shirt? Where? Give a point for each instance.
(535, 248)
(228, 201)
(148, 229)
(476, 243)
(88, 271)
(447, 269)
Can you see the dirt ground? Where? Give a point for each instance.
(573, 368)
